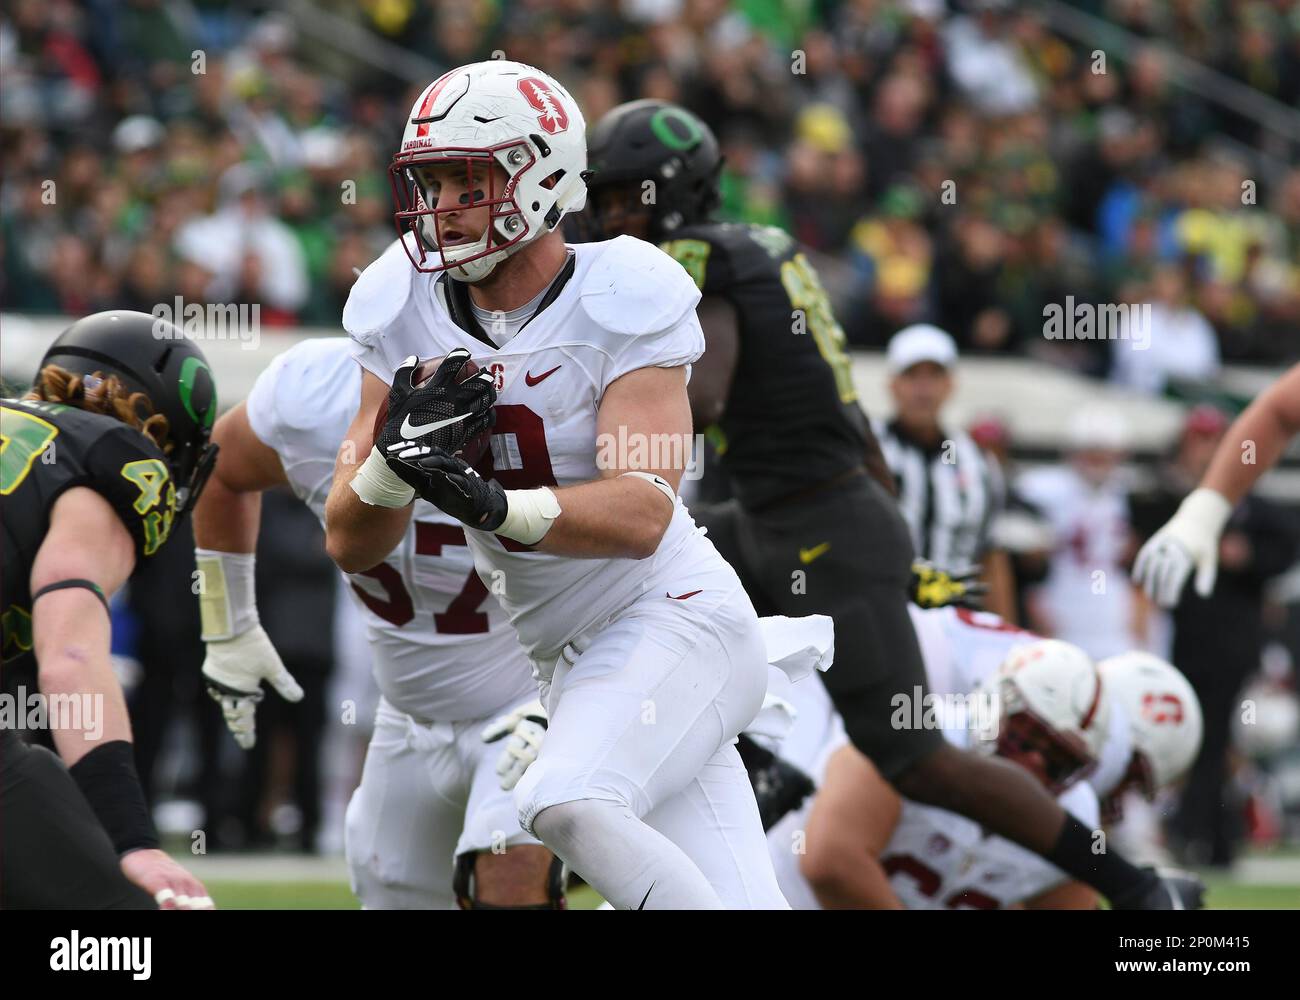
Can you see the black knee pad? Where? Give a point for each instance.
(463, 884)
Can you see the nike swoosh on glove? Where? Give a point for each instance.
(441, 413)
(234, 670)
(451, 484)
(526, 728)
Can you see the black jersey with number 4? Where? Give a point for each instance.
(47, 448)
(792, 419)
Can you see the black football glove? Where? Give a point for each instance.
(451, 484)
(1163, 889)
(931, 587)
(442, 413)
(779, 786)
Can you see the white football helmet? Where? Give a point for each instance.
(486, 112)
(1046, 701)
(1164, 715)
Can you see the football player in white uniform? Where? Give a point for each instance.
(444, 656)
(1086, 599)
(1158, 708)
(858, 844)
(646, 648)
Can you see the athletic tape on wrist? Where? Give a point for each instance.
(227, 596)
(378, 485)
(529, 514)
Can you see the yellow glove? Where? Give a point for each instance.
(931, 587)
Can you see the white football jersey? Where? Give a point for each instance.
(962, 647)
(1087, 594)
(626, 306)
(443, 647)
(935, 859)
(939, 860)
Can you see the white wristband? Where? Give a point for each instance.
(529, 514)
(1206, 509)
(378, 485)
(658, 482)
(227, 597)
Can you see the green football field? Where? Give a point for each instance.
(1261, 880)
(1224, 894)
(322, 896)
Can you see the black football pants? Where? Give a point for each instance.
(53, 852)
(843, 552)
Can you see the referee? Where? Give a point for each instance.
(948, 490)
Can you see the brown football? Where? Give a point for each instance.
(425, 370)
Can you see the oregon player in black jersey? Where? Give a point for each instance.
(96, 463)
(813, 526)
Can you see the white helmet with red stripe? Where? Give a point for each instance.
(490, 112)
(1163, 713)
(1047, 711)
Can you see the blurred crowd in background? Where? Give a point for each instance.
(966, 163)
(957, 162)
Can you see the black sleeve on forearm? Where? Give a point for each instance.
(108, 779)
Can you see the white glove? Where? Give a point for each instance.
(1190, 540)
(525, 726)
(235, 669)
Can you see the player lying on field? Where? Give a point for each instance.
(1085, 733)
(99, 459)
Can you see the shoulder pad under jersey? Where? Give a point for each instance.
(635, 288)
(316, 383)
(379, 295)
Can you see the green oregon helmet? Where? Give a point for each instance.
(665, 144)
(152, 356)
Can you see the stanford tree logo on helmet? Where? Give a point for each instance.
(520, 140)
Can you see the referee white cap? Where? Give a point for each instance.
(920, 342)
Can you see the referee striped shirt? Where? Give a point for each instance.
(949, 493)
